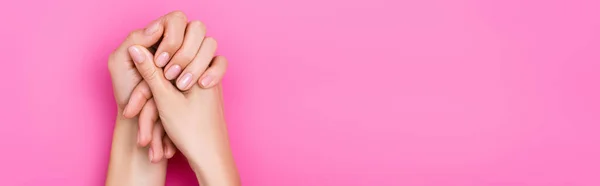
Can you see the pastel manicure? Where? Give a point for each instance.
(173, 72)
(184, 81)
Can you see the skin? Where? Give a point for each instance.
(192, 118)
(129, 164)
(193, 52)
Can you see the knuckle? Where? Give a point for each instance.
(222, 59)
(197, 25)
(178, 14)
(111, 60)
(112, 56)
(133, 35)
(211, 41)
(171, 43)
(149, 73)
(138, 95)
(185, 57)
(224, 62)
(145, 91)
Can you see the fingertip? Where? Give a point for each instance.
(170, 149)
(166, 149)
(142, 140)
(183, 83)
(207, 81)
(145, 142)
(127, 113)
(158, 151)
(157, 143)
(172, 72)
(127, 116)
(166, 152)
(213, 75)
(162, 59)
(159, 155)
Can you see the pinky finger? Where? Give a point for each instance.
(156, 146)
(214, 73)
(169, 147)
(148, 116)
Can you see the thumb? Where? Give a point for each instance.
(153, 75)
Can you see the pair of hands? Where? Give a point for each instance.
(143, 89)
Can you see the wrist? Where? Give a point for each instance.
(125, 132)
(129, 163)
(217, 170)
(214, 164)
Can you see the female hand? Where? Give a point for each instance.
(185, 41)
(193, 119)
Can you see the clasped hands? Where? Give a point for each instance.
(166, 80)
(167, 75)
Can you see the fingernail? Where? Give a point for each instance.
(151, 29)
(184, 81)
(173, 72)
(150, 154)
(136, 54)
(206, 81)
(162, 59)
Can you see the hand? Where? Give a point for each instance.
(128, 163)
(185, 41)
(126, 80)
(193, 119)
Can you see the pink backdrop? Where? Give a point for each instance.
(327, 92)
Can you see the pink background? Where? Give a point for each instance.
(326, 92)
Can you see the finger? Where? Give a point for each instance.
(174, 23)
(143, 37)
(148, 116)
(169, 147)
(120, 62)
(156, 153)
(194, 35)
(141, 93)
(214, 73)
(198, 65)
(159, 86)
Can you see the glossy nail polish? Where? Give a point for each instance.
(206, 81)
(162, 59)
(173, 72)
(184, 81)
